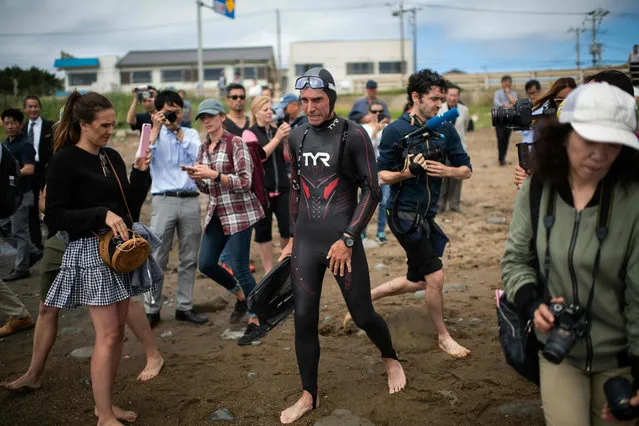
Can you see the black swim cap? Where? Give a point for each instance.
(329, 83)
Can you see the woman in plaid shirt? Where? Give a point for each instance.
(232, 211)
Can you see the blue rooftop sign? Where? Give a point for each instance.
(77, 63)
(225, 7)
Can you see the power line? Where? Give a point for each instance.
(503, 11)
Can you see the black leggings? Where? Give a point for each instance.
(308, 266)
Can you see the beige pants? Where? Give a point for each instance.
(10, 304)
(570, 397)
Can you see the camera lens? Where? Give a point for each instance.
(503, 116)
(559, 343)
(618, 392)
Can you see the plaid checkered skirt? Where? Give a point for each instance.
(84, 279)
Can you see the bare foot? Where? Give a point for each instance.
(120, 414)
(153, 367)
(301, 407)
(396, 376)
(24, 383)
(452, 348)
(347, 319)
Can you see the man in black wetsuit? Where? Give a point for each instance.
(332, 158)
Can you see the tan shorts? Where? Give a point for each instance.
(54, 249)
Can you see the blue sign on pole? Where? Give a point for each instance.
(225, 7)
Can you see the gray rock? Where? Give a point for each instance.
(420, 294)
(368, 243)
(460, 288)
(343, 418)
(86, 381)
(82, 354)
(232, 335)
(523, 409)
(252, 375)
(380, 266)
(67, 331)
(450, 395)
(496, 220)
(222, 414)
(370, 371)
(167, 333)
(361, 333)
(286, 348)
(256, 342)
(475, 321)
(328, 318)
(260, 410)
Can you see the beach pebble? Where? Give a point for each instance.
(222, 414)
(167, 333)
(460, 288)
(420, 294)
(523, 409)
(380, 266)
(450, 395)
(475, 321)
(82, 354)
(260, 410)
(496, 220)
(232, 335)
(368, 243)
(343, 417)
(252, 375)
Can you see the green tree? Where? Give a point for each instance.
(32, 81)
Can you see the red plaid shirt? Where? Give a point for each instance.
(236, 205)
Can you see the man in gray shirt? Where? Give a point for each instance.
(504, 98)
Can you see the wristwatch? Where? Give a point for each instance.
(348, 240)
(218, 177)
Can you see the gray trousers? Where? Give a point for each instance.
(15, 230)
(450, 194)
(170, 214)
(10, 304)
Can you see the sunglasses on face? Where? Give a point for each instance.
(236, 97)
(377, 111)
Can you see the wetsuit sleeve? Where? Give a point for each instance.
(631, 309)
(457, 155)
(363, 155)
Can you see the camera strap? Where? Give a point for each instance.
(606, 196)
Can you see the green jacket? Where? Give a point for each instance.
(615, 310)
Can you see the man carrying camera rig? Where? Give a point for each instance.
(415, 169)
(146, 96)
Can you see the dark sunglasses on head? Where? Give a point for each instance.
(313, 83)
(236, 97)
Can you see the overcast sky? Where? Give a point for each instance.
(32, 32)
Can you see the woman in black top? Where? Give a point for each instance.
(276, 179)
(84, 199)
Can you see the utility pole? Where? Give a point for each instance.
(400, 14)
(577, 32)
(596, 17)
(279, 49)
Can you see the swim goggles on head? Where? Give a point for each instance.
(313, 83)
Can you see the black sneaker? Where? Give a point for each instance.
(241, 308)
(253, 332)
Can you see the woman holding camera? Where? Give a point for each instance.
(276, 178)
(586, 250)
(84, 199)
(550, 100)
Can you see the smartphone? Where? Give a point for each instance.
(186, 168)
(145, 140)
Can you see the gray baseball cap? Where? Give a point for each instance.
(210, 106)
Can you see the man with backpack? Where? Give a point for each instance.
(15, 227)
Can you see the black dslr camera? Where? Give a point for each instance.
(520, 116)
(618, 392)
(170, 116)
(570, 325)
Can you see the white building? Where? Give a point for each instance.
(352, 63)
(168, 68)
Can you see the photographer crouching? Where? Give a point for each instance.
(581, 232)
(414, 166)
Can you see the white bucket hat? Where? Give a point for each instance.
(600, 112)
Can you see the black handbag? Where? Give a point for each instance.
(516, 335)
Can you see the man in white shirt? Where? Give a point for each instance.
(451, 188)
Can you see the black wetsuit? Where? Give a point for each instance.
(327, 207)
